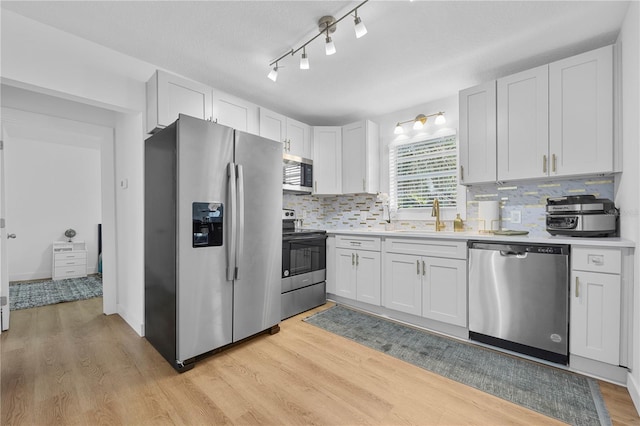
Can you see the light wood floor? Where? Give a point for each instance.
(69, 364)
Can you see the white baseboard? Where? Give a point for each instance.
(136, 324)
(28, 276)
(634, 390)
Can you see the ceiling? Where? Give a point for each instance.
(415, 52)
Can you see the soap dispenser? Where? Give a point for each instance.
(458, 224)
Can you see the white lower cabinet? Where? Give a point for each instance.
(358, 270)
(595, 304)
(428, 286)
(403, 283)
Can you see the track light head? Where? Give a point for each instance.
(304, 61)
(359, 26)
(273, 74)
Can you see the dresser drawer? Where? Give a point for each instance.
(70, 255)
(358, 242)
(70, 272)
(596, 259)
(61, 263)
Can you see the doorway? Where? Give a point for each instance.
(34, 116)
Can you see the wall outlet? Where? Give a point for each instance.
(516, 216)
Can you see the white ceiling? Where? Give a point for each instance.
(415, 52)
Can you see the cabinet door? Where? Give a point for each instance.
(444, 290)
(581, 113)
(403, 283)
(327, 160)
(272, 125)
(346, 273)
(235, 112)
(478, 134)
(169, 95)
(298, 139)
(523, 124)
(595, 316)
(368, 277)
(354, 148)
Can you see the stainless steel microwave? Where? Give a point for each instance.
(297, 174)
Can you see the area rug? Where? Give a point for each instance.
(24, 295)
(556, 393)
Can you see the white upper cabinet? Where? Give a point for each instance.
(478, 134)
(523, 124)
(553, 120)
(169, 95)
(327, 160)
(581, 113)
(360, 158)
(294, 134)
(235, 112)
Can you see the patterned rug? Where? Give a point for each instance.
(556, 393)
(24, 295)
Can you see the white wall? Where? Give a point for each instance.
(45, 60)
(387, 124)
(628, 192)
(50, 187)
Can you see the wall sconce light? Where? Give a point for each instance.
(326, 25)
(420, 121)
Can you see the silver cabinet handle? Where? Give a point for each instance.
(11, 236)
(423, 268)
(315, 186)
(553, 163)
(544, 164)
(231, 212)
(577, 287)
(357, 259)
(418, 267)
(353, 262)
(462, 173)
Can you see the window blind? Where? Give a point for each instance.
(424, 170)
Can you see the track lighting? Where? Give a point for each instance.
(326, 26)
(304, 60)
(273, 74)
(419, 122)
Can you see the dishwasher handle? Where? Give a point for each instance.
(510, 253)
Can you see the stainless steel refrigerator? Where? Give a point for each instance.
(213, 235)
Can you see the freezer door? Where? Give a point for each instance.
(257, 295)
(204, 295)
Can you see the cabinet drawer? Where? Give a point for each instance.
(70, 271)
(596, 259)
(434, 248)
(70, 255)
(62, 263)
(357, 242)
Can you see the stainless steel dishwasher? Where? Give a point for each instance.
(519, 298)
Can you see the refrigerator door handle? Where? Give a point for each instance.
(240, 241)
(231, 243)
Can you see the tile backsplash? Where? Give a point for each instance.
(527, 199)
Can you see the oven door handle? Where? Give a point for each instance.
(315, 238)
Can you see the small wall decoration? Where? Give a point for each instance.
(70, 233)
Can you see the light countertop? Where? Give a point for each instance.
(474, 235)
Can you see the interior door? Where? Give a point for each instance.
(4, 273)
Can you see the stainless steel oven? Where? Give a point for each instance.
(304, 263)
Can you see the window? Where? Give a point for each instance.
(422, 170)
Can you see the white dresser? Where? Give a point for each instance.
(69, 260)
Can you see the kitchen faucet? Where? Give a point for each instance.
(435, 212)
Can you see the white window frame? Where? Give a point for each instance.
(424, 213)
